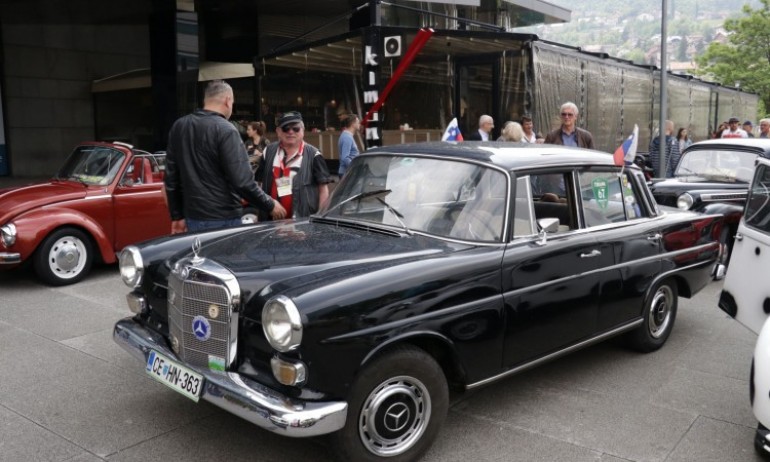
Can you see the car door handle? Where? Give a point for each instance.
(738, 236)
(591, 254)
(654, 237)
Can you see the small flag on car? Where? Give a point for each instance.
(626, 152)
(452, 132)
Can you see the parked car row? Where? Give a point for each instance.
(435, 267)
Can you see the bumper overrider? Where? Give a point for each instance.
(10, 258)
(240, 395)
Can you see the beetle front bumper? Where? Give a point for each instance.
(240, 395)
(10, 258)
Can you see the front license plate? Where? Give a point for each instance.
(174, 375)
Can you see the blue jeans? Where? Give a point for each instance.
(195, 226)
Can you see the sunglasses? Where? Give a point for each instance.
(567, 114)
(294, 128)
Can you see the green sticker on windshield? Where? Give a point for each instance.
(407, 161)
(601, 192)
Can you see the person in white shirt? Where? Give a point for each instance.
(529, 129)
(733, 131)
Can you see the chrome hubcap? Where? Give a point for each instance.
(660, 311)
(395, 415)
(67, 257)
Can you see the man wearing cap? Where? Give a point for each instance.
(294, 172)
(207, 168)
(748, 128)
(732, 129)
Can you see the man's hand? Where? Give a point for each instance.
(178, 226)
(278, 212)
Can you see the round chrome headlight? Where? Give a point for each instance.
(684, 201)
(131, 266)
(8, 232)
(282, 323)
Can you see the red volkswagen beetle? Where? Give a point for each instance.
(106, 196)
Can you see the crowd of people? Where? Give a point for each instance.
(209, 168)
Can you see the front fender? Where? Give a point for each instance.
(34, 226)
(731, 212)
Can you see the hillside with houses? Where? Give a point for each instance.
(631, 30)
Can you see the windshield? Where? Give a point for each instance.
(92, 165)
(724, 166)
(447, 198)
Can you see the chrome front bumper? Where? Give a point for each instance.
(10, 258)
(240, 395)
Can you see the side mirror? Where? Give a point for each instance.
(547, 225)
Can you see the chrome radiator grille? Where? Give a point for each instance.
(202, 315)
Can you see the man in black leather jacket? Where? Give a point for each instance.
(207, 168)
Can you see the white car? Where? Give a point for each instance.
(746, 293)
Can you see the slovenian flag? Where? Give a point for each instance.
(627, 151)
(452, 132)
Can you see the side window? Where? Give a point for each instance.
(608, 198)
(552, 198)
(758, 206)
(523, 221)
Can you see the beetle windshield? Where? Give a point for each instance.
(447, 198)
(92, 165)
(724, 166)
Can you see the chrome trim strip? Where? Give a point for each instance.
(619, 266)
(103, 196)
(725, 196)
(10, 258)
(557, 354)
(240, 395)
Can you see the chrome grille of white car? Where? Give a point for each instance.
(195, 292)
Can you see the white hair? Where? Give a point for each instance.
(570, 105)
(485, 118)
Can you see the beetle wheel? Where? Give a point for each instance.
(64, 257)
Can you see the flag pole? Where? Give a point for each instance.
(662, 155)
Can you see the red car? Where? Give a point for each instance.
(106, 196)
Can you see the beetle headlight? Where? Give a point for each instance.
(131, 266)
(684, 201)
(8, 234)
(282, 323)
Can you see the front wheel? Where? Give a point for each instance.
(64, 257)
(396, 408)
(249, 216)
(659, 316)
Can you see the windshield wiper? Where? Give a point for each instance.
(363, 195)
(396, 214)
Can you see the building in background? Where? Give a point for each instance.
(106, 70)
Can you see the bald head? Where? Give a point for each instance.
(218, 97)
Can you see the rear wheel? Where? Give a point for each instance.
(658, 318)
(64, 257)
(396, 408)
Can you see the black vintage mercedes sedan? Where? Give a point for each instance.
(713, 176)
(434, 268)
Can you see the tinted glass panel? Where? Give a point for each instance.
(609, 198)
(758, 206)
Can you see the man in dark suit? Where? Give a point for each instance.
(569, 134)
(486, 124)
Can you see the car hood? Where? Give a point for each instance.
(14, 201)
(297, 256)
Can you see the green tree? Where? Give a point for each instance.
(745, 58)
(681, 52)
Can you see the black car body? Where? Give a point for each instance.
(435, 266)
(713, 176)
